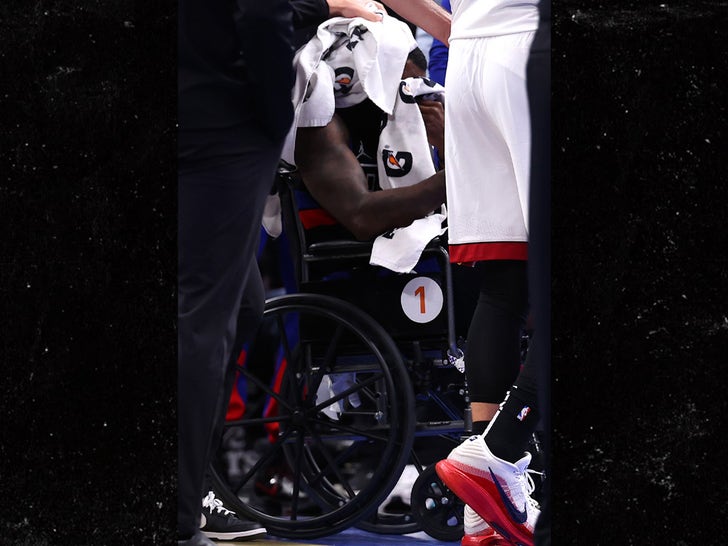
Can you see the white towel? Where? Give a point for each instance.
(371, 55)
(405, 156)
(400, 249)
(374, 53)
(333, 384)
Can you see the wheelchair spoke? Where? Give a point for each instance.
(288, 354)
(319, 480)
(314, 484)
(316, 496)
(260, 463)
(331, 464)
(330, 355)
(297, 477)
(417, 462)
(280, 319)
(267, 389)
(259, 421)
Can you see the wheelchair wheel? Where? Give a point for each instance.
(438, 511)
(329, 434)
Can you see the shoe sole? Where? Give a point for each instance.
(493, 540)
(484, 502)
(240, 535)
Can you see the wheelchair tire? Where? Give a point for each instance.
(336, 429)
(438, 511)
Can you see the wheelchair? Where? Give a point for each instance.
(366, 381)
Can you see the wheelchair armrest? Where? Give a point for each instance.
(358, 248)
(338, 247)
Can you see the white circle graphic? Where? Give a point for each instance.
(421, 299)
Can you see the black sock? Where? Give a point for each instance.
(480, 426)
(513, 426)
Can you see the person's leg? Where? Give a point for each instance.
(513, 425)
(219, 522)
(250, 311)
(497, 489)
(488, 471)
(220, 211)
(492, 359)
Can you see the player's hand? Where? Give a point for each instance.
(433, 114)
(356, 8)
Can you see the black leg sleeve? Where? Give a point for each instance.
(492, 359)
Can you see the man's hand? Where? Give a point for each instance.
(356, 8)
(433, 114)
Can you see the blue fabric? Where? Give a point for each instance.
(438, 55)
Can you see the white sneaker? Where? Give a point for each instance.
(498, 491)
(477, 532)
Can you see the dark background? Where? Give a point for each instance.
(640, 276)
(88, 272)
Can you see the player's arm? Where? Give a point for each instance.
(335, 179)
(426, 14)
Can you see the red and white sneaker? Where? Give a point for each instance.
(496, 489)
(478, 532)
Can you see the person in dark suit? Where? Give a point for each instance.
(234, 110)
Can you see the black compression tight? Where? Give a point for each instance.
(492, 359)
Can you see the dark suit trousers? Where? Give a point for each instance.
(220, 209)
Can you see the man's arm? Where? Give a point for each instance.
(315, 12)
(354, 8)
(426, 14)
(335, 179)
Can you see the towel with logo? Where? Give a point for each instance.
(405, 158)
(349, 60)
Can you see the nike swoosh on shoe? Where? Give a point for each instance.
(519, 516)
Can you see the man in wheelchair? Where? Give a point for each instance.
(329, 160)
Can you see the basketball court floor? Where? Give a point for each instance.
(349, 537)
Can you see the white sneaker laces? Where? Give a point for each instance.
(531, 487)
(215, 504)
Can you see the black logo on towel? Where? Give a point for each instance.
(357, 36)
(405, 93)
(343, 80)
(397, 164)
(428, 82)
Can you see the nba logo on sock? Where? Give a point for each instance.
(523, 413)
